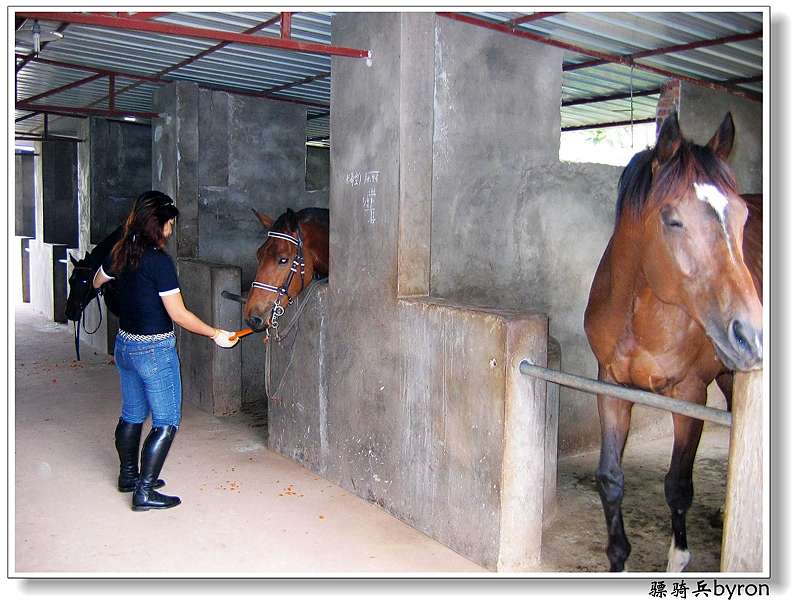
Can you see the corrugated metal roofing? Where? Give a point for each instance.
(257, 69)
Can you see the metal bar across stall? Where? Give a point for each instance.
(592, 386)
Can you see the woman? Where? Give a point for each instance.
(149, 371)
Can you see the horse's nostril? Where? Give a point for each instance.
(745, 338)
(255, 322)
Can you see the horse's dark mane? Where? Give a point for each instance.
(690, 163)
(288, 221)
(95, 258)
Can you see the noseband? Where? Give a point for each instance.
(298, 261)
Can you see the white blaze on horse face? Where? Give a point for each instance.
(711, 194)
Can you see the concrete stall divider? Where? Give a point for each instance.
(211, 376)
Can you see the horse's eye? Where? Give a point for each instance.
(283, 261)
(670, 220)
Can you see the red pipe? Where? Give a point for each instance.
(279, 88)
(286, 25)
(63, 88)
(191, 59)
(161, 81)
(730, 39)
(528, 18)
(195, 32)
(70, 110)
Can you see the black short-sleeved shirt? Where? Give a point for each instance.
(141, 310)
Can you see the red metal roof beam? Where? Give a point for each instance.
(730, 39)
(280, 88)
(528, 18)
(64, 87)
(286, 25)
(611, 58)
(130, 24)
(80, 111)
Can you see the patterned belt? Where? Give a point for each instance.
(137, 337)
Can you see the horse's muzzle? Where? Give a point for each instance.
(256, 323)
(740, 346)
(747, 342)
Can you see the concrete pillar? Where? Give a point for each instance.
(211, 376)
(742, 535)
(56, 225)
(415, 412)
(25, 268)
(57, 193)
(114, 167)
(24, 195)
(48, 280)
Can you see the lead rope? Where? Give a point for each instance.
(279, 338)
(81, 322)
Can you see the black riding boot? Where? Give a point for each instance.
(126, 439)
(154, 452)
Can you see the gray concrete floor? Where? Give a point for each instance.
(249, 511)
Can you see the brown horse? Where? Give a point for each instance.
(672, 306)
(294, 253)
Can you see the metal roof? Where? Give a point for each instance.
(305, 77)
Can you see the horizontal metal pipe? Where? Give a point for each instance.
(593, 386)
(129, 24)
(608, 124)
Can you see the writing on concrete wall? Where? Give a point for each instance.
(369, 181)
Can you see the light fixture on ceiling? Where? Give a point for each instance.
(129, 118)
(35, 34)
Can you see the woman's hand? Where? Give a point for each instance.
(225, 339)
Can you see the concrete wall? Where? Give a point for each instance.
(318, 168)
(418, 406)
(219, 155)
(115, 167)
(700, 113)
(56, 203)
(530, 230)
(48, 281)
(24, 195)
(211, 376)
(25, 268)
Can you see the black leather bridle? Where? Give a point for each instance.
(84, 302)
(297, 263)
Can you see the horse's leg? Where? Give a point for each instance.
(615, 420)
(678, 485)
(725, 383)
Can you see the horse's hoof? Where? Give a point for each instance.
(678, 559)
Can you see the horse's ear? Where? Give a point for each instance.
(669, 140)
(721, 143)
(74, 262)
(291, 218)
(265, 220)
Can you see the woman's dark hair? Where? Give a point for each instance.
(144, 227)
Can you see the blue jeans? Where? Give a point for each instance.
(150, 380)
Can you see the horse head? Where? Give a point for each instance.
(81, 290)
(690, 223)
(285, 268)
